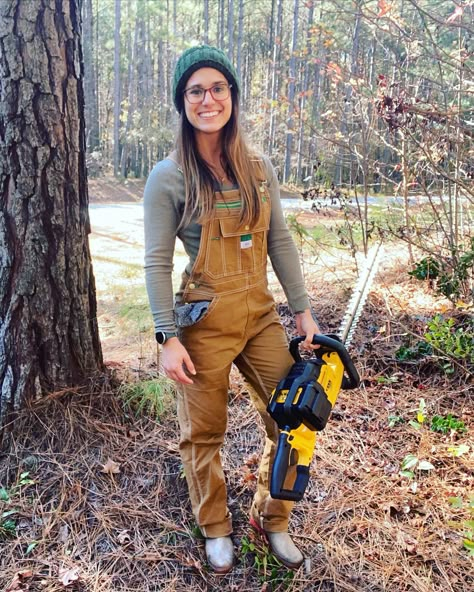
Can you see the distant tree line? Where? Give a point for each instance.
(362, 97)
(334, 91)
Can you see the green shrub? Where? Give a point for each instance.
(450, 341)
(453, 274)
(445, 424)
(405, 353)
(426, 269)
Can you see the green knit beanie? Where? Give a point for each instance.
(200, 56)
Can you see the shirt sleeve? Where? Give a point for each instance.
(282, 250)
(161, 221)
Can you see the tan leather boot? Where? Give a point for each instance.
(285, 549)
(220, 554)
(281, 545)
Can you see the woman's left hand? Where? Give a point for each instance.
(306, 325)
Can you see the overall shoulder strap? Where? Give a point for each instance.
(259, 168)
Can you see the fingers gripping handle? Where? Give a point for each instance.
(330, 343)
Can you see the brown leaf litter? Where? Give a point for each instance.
(109, 511)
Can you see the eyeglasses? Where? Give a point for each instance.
(219, 92)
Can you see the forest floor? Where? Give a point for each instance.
(94, 498)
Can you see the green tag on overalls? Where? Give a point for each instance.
(245, 241)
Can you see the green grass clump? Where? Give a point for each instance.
(150, 398)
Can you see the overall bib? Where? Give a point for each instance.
(241, 326)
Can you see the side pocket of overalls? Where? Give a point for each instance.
(190, 313)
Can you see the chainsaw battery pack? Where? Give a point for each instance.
(300, 398)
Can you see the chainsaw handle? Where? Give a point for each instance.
(280, 471)
(330, 343)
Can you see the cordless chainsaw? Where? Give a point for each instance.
(302, 402)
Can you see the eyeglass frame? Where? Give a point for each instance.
(208, 89)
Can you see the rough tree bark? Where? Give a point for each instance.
(48, 323)
(148, 94)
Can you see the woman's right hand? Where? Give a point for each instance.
(175, 359)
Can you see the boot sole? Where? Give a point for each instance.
(258, 529)
(220, 571)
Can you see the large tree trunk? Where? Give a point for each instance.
(48, 322)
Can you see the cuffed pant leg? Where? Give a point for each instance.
(264, 362)
(202, 416)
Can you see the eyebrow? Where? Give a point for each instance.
(201, 86)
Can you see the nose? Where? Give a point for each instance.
(208, 98)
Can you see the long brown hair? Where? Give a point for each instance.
(240, 164)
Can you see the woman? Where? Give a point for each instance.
(223, 202)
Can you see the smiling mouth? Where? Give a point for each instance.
(209, 114)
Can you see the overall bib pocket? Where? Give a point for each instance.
(234, 248)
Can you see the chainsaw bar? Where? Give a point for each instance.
(359, 295)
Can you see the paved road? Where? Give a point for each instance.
(117, 238)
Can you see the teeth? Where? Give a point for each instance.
(209, 114)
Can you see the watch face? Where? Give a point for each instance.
(161, 337)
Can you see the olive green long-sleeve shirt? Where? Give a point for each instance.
(163, 208)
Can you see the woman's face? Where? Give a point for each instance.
(208, 116)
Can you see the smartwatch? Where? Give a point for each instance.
(163, 336)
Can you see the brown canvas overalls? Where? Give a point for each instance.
(241, 326)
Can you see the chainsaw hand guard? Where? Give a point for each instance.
(330, 343)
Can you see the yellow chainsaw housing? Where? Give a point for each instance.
(301, 405)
